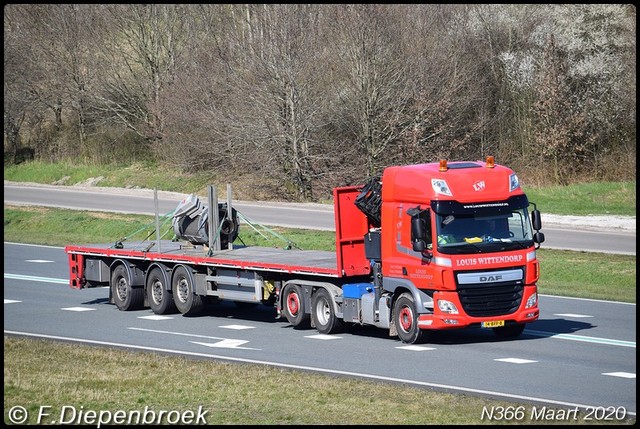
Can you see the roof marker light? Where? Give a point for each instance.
(443, 165)
(490, 162)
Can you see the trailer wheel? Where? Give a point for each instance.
(125, 296)
(405, 318)
(184, 294)
(160, 299)
(510, 331)
(323, 313)
(294, 309)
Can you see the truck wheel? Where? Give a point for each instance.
(184, 294)
(405, 318)
(510, 331)
(323, 313)
(294, 309)
(160, 299)
(125, 296)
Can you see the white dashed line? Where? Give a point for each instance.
(78, 309)
(237, 327)
(577, 316)
(415, 348)
(226, 344)
(10, 301)
(155, 317)
(322, 337)
(620, 374)
(515, 360)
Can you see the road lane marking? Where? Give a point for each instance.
(620, 374)
(572, 337)
(157, 331)
(79, 309)
(39, 261)
(415, 348)
(515, 360)
(226, 344)
(237, 327)
(11, 301)
(155, 317)
(579, 316)
(36, 279)
(322, 337)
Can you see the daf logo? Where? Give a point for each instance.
(486, 279)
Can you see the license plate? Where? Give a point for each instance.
(493, 324)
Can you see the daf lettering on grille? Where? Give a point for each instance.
(484, 279)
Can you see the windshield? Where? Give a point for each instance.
(486, 232)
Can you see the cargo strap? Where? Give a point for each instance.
(166, 217)
(252, 224)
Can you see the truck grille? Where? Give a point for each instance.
(495, 300)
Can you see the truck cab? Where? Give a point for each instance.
(457, 248)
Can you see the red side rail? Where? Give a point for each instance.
(351, 227)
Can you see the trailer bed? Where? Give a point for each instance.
(315, 262)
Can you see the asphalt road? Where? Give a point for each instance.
(593, 238)
(580, 353)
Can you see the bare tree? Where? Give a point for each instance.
(139, 64)
(259, 101)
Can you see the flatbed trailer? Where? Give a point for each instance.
(184, 276)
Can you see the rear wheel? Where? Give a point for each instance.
(323, 313)
(405, 318)
(160, 298)
(294, 308)
(184, 293)
(125, 296)
(510, 331)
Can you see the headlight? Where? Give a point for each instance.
(532, 301)
(447, 306)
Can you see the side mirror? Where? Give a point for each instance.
(538, 237)
(419, 246)
(536, 219)
(420, 232)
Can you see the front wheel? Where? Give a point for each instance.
(294, 308)
(323, 313)
(405, 318)
(510, 331)
(125, 296)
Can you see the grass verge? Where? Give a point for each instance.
(77, 380)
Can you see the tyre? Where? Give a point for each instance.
(510, 331)
(323, 313)
(125, 296)
(294, 308)
(405, 318)
(160, 298)
(184, 293)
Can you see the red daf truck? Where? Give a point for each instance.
(424, 247)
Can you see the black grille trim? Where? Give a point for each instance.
(482, 300)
